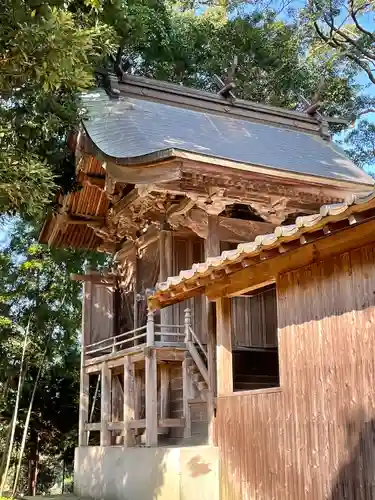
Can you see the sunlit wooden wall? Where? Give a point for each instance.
(314, 438)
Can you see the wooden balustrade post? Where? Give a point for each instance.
(150, 329)
(187, 325)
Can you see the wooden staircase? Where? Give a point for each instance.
(197, 388)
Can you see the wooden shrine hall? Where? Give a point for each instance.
(171, 176)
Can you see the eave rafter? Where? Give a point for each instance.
(180, 193)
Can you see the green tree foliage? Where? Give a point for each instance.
(49, 52)
(346, 26)
(36, 289)
(46, 57)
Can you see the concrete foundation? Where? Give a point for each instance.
(117, 473)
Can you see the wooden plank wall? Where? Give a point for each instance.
(99, 312)
(315, 439)
(187, 251)
(146, 274)
(253, 320)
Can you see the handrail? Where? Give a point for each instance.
(170, 334)
(198, 360)
(196, 339)
(94, 344)
(169, 326)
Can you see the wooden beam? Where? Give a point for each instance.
(171, 422)
(94, 426)
(129, 400)
(151, 398)
(138, 424)
(170, 355)
(224, 347)
(105, 405)
(228, 229)
(122, 206)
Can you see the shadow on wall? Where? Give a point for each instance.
(356, 479)
(118, 473)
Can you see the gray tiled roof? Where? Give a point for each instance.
(129, 129)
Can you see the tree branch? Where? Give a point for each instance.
(353, 14)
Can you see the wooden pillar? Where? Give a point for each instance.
(212, 249)
(83, 408)
(136, 278)
(186, 395)
(84, 378)
(138, 386)
(129, 400)
(166, 270)
(151, 390)
(117, 403)
(105, 405)
(224, 346)
(164, 393)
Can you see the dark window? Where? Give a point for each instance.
(255, 355)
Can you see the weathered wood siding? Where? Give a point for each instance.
(186, 251)
(254, 320)
(315, 438)
(98, 312)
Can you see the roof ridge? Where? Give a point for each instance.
(189, 97)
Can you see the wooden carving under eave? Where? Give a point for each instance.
(235, 230)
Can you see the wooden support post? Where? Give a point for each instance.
(212, 249)
(105, 406)
(138, 396)
(84, 377)
(129, 400)
(186, 395)
(151, 399)
(83, 408)
(164, 393)
(117, 401)
(166, 270)
(135, 277)
(224, 346)
(150, 329)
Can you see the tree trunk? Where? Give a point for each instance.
(15, 412)
(34, 463)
